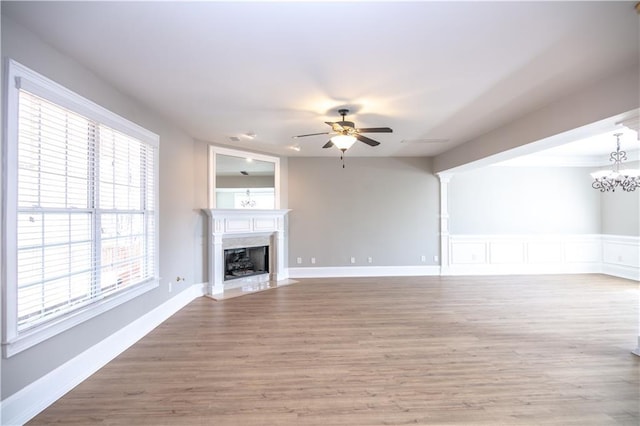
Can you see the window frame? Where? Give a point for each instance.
(18, 77)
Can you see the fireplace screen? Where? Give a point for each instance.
(245, 262)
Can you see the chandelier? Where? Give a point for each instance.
(609, 180)
(248, 203)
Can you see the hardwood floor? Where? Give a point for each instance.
(381, 351)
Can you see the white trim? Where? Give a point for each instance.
(25, 404)
(364, 271)
(31, 81)
(621, 271)
(41, 333)
(535, 160)
(211, 170)
(18, 76)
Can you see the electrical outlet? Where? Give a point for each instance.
(436, 258)
(170, 286)
(313, 260)
(353, 259)
(299, 261)
(423, 258)
(370, 259)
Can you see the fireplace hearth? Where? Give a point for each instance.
(245, 262)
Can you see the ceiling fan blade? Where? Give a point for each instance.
(376, 130)
(335, 126)
(310, 134)
(366, 140)
(328, 144)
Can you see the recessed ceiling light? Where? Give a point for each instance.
(295, 147)
(250, 135)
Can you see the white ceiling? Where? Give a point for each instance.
(429, 70)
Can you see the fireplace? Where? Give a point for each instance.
(245, 262)
(252, 241)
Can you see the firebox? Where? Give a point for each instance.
(245, 262)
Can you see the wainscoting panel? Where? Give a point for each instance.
(544, 252)
(621, 256)
(526, 254)
(469, 253)
(506, 252)
(588, 251)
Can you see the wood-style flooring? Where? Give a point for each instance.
(510, 350)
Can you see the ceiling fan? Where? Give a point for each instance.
(346, 133)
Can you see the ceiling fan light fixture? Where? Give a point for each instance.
(343, 142)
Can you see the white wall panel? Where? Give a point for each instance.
(470, 252)
(237, 225)
(586, 250)
(543, 254)
(623, 251)
(506, 252)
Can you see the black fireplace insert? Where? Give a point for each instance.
(245, 262)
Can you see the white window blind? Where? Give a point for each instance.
(85, 213)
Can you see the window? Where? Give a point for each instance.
(80, 208)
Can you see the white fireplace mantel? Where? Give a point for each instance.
(231, 223)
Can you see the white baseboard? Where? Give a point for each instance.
(505, 269)
(621, 256)
(25, 404)
(363, 271)
(621, 271)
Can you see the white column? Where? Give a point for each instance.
(280, 238)
(445, 263)
(216, 277)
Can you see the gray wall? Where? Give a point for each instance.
(620, 210)
(384, 208)
(180, 222)
(524, 200)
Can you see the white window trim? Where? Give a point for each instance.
(18, 76)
